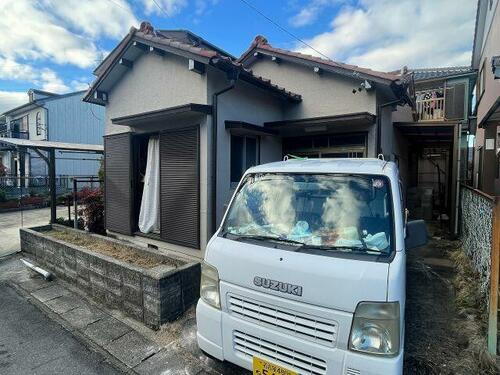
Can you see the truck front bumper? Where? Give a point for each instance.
(218, 334)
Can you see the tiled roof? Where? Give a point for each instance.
(434, 73)
(261, 43)
(212, 57)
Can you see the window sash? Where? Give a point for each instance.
(244, 155)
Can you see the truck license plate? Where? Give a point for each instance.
(263, 367)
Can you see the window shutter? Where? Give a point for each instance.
(455, 101)
(180, 187)
(118, 183)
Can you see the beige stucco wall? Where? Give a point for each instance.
(157, 82)
(491, 47)
(325, 94)
(243, 103)
(154, 82)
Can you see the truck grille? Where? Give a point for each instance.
(302, 363)
(306, 327)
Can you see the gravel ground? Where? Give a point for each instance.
(439, 339)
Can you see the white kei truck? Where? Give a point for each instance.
(307, 272)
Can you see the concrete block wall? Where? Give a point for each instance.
(153, 296)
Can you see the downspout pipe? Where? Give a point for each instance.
(215, 97)
(379, 122)
(457, 182)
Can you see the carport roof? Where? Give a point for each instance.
(48, 145)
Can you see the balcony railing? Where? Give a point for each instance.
(430, 109)
(14, 134)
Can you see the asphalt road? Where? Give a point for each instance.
(31, 343)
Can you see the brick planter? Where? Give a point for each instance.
(151, 295)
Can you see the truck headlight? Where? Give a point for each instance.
(375, 328)
(209, 285)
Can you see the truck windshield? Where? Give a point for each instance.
(320, 212)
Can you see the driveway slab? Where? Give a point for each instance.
(169, 360)
(106, 330)
(81, 317)
(51, 292)
(132, 348)
(63, 304)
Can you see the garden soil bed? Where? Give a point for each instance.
(112, 249)
(144, 283)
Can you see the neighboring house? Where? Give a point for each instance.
(52, 117)
(486, 60)
(209, 118)
(435, 136)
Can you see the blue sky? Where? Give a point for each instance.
(55, 44)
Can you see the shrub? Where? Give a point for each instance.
(3, 196)
(93, 210)
(69, 223)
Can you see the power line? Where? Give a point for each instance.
(160, 8)
(166, 13)
(282, 28)
(121, 6)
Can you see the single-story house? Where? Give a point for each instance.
(184, 119)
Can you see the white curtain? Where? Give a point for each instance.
(150, 203)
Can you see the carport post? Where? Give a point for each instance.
(52, 184)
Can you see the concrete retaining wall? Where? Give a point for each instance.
(476, 224)
(153, 296)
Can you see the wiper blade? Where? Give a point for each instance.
(337, 248)
(264, 238)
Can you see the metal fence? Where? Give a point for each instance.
(20, 193)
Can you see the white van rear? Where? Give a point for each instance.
(306, 274)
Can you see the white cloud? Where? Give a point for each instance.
(51, 82)
(387, 34)
(34, 34)
(170, 7)
(12, 70)
(94, 18)
(12, 99)
(80, 84)
(62, 31)
(44, 78)
(310, 13)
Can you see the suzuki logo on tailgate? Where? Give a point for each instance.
(279, 286)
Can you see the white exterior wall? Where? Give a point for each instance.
(32, 122)
(36, 163)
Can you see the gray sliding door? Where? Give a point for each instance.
(118, 183)
(180, 187)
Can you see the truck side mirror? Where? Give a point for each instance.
(416, 234)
